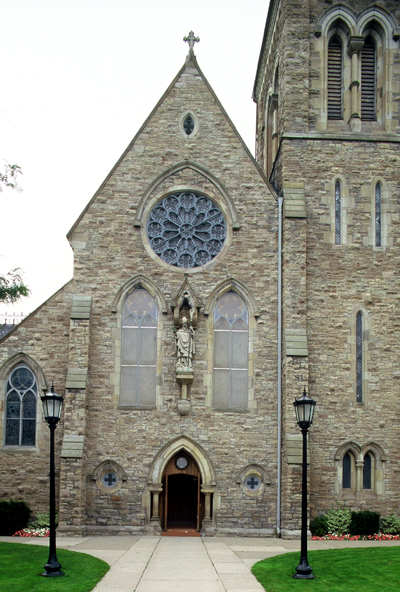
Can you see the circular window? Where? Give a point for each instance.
(181, 462)
(186, 229)
(109, 479)
(252, 483)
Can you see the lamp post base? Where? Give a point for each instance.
(304, 571)
(53, 568)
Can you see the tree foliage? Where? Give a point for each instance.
(12, 287)
(8, 178)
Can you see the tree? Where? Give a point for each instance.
(11, 285)
(9, 177)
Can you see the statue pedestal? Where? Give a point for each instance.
(184, 377)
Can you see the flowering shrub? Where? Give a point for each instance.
(32, 532)
(338, 519)
(391, 524)
(347, 537)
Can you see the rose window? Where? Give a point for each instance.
(186, 229)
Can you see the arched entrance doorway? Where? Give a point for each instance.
(181, 488)
(181, 499)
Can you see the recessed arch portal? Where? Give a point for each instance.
(178, 462)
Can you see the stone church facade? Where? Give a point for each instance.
(211, 287)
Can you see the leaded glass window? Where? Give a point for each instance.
(138, 349)
(231, 342)
(186, 229)
(367, 472)
(21, 397)
(359, 357)
(338, 214)
(188, 125)
(346, 471)
(378, 214)
(252, 483)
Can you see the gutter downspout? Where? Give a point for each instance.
(278, 501)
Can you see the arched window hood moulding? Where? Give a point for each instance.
(137, 223)
(135, 282)
(231, 284)
(357, 22)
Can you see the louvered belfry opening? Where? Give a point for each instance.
(368, 81)
(335, 69)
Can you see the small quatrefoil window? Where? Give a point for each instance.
(109, 479)
(188, 125)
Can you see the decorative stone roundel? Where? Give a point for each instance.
(186, 229)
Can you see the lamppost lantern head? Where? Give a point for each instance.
(52, 405)
(304, 407)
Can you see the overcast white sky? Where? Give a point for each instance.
(78, 79)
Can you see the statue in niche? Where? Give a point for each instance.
(185, 344)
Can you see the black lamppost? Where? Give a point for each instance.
(52, 406)
(304, 408)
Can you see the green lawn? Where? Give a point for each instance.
(22, 564)
(369, 569)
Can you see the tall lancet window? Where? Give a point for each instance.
(359, 357)
(338, 214)
(335, 68)
(21, 396)
(138, 349)
(378, 215)
(346, 481)
(367, 472)
(231, 346)
(368, 81)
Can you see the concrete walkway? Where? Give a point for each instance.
(180, 564)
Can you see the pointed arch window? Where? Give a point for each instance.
(367, 472)
(368, 81)
(231, 344)
(138, 349)
(378, 215)
(335, 69)
(346, 481)
(338, 213)
(21, 398)
(359, 357)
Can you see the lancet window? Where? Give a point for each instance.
(338, 214)
(231, 344)
(138, 349)
(21, 399)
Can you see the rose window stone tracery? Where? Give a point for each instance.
(186, 229)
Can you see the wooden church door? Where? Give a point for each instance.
(181, 504)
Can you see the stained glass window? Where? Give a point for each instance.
(138, 349)
(378, 226)
(252, 483)
(359, 357)
(367, 472)
(21, 397)
(188, 125)
(346, 471)
(338, 214)
(186, 229)
(231, 342)
(109, 479)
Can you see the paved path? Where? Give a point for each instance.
(175, 564)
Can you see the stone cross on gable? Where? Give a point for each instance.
(191, 39)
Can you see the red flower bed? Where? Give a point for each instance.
(30, 532)
(346, 537)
